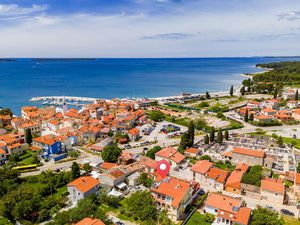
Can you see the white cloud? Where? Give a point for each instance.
(7, 10)
(188, 32)
(295, 15)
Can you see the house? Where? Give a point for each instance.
(170, 154)
(192, 152)
(215, 178)
(15, 149)
(292, 104)
(112, 177)
(200, 169)
(228, 210)
(35, 127)
(289, 94)
(126, 158)
(5, 120)
(263, 118)
(273, 190)
(233, 183)
(3, 156)
(253, 105)
(82, 187)
(249, 156)
(174, 195)
(271, 103)
(134, 134)
(90, 221)
(51, 146)
(284, 115)
(107, 166)
(296, 114)
(268, 112)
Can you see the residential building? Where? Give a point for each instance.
(273, 190)
(228, 210)
(192, 152)
(215, 178)
(170, 154)
(200, 169)
(82, 187)
(233, 183)
(134, 134)
(3, 156)
(90, 221)
(174, 195)
(297, 185)
(249, 156)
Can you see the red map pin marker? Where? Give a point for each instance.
(163, 168)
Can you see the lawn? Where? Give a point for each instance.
(294, 142)
(197, 219)
(290, 221)
(26, 159)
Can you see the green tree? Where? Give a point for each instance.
(6, 111)
(111, 153)
(251, 117)
(231, 90)
(185, 142)
(298, 167)
(226, 135)
(110, 133)
(191, 133)
(145, 180)
(212, 134)
(87, 167)
(275, 93)
(142, 206)
(242, 90)
(163, 218)
(220, 136)
(246, 117)
(206, 157)
(297, 95)
(280, 141)
(157, 116)
(75, 171)
(28, 136)
(207, 95)
(206, 139)
(151, 153)
(263, 216)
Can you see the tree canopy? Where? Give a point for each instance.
(156, 115)
(151, 153)
(111, 153)
(263, 216)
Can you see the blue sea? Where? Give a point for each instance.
(23, 79)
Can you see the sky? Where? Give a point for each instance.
(149, 28)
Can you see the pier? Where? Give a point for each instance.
(62, 98)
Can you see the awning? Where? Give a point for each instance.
(121, 185)
(115, 193)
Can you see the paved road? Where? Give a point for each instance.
(64, 165)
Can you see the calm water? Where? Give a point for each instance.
(106, 78)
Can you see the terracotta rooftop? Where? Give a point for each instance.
(272, 185)
(249, 152)
(170, 153)
(90, 221)
(84, 184)
(202, 166)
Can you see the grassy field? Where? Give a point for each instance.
(290, 221)
(197, 219)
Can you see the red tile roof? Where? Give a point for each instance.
(174, 188)
(84, 184)
(202, 166)
(217, 174)
(171, 153)
(107, 165)
(249, 152)
(90, 221)
(272, 185)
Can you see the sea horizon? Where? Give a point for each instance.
(24, 78)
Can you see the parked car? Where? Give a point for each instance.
(287, 212)
(271, 208)
(119, 223)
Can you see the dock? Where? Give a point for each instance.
(62, 98)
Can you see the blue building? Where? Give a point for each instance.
(53, 151)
